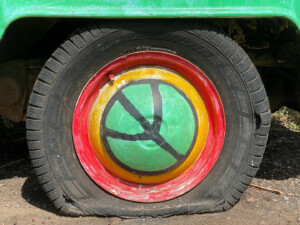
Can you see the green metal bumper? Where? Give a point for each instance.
(11, 10)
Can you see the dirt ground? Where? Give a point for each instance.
(22, 201)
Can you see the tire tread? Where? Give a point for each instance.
(81, 39)
(259, 99)
(34, 125)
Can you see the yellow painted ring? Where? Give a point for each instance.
(111, 88)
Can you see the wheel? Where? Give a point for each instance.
(121, 115)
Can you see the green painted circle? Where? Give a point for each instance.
(149, 127)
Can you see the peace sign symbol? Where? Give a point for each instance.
(138, 124)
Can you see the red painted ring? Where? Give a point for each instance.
(155, 192)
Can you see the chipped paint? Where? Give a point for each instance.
(115, 191)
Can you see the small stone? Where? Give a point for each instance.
(286, 198)
(228, 218)
(262, 222)
(298, 220)
(274, 200)
(33, 220)
(48, 218)
(250, 200)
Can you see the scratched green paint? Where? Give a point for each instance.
(119, 119)
(141, 97)
(11, 10)
(177, 128)
(178, 125)
(141, 155)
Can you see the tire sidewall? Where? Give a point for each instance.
(57, 135)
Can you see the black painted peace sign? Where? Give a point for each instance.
(151, 131)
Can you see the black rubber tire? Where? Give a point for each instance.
(59, 84)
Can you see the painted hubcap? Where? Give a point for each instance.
(149, 126)
(152, 133)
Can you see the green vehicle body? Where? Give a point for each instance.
(11, 10)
